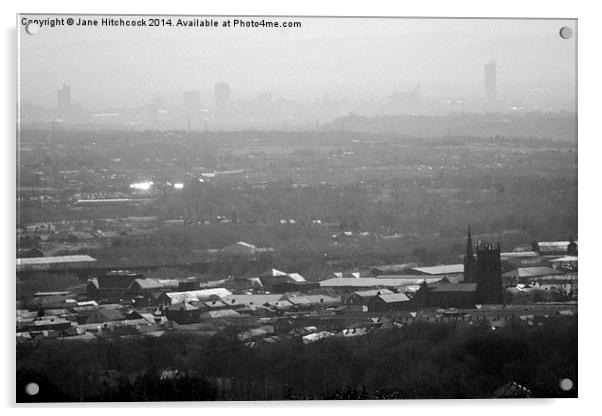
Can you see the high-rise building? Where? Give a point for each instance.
(491, 82)
(222, 96)
(63, 101)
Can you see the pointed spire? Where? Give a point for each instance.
(469, 245)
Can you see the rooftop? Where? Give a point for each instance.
(393, 297)
(198, 294)
(526, 272)
(148, 283)
(296, 277)
(183, 306)
(441, 269)
(376, 282)
(565, 259)
(519, 254)
(321, 299)
(372, 292)
(273, 273)
(554, 243)
(455, 287)
(33, 262)
(252, 299)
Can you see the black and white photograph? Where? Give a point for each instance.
(295, 208)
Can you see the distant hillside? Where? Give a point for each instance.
(553, 126)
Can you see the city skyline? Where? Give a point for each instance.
(303, 64)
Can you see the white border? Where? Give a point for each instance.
(589, 136)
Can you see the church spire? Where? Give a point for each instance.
(469, 253)
(469, 260)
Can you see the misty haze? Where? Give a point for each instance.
(289, 78)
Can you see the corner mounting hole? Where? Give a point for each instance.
(32, 389)
(32, 28)
(566, 32)
(566, 384)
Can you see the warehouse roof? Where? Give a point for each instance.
(441, 269)
(531, 272)
(147, 283)
(519, 254)
(372, 292)
(376, 282)
(392, 268)
(321, 299)
(41, 263)
(194, 295)
(257, 300)
(455, 287)
(554, 243)
(393, 297)
(565, 259)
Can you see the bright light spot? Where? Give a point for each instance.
(178, 185)
(142, 186)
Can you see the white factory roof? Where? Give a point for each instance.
(441, 269)
(565, 259)
(375, 282)
(40, 263)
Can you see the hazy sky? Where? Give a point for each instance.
(353, 58)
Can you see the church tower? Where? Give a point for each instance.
(489, 274)
(469, 261)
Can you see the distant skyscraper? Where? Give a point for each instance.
(63, 99)
(491, 81)
(222, 96)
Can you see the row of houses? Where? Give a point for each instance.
(183, 309)
(76, 320)
(323, 327)
(122, 284)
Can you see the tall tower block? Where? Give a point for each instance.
(491, 82)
